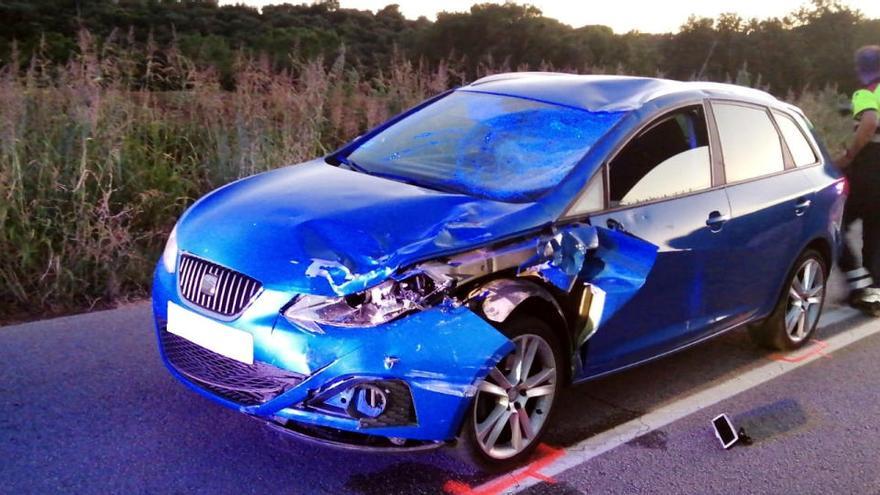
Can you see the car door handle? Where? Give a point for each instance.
(801, 206)
(716, 221)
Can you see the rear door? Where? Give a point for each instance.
(769, 198)
(661, 190)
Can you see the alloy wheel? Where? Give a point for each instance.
(514, 401)
(805, 298)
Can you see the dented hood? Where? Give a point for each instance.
(319, 229)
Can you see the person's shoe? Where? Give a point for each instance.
(871, 295)
(866, 300)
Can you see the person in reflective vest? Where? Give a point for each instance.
(861, 164)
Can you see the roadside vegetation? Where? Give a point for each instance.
(102, 146)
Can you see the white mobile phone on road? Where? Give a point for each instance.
(724, 431)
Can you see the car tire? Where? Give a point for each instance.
(796, 315)
(487, 438)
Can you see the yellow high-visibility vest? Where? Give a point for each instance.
(866, 99)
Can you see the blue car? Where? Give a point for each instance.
(437, 280)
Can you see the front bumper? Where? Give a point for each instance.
(439, 354)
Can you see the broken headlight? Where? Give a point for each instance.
(371, 307)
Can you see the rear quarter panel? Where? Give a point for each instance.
(826, 216)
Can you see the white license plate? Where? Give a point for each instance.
(210, 334)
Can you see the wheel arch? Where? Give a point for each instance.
(819, 244)
(499, 300)
(823, 247)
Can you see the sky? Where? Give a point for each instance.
(621, 15)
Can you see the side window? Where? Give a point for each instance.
(750, 144)
(801, 151)
(670, 158)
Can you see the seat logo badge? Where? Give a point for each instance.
(208, 285)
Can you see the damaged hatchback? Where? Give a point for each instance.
(438, 280)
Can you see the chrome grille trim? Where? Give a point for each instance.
(233, 291)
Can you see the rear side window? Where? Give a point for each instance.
(801, 151)
(668, 159)
(749, 142)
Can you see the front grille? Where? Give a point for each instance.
(229, 293)
(245, 384)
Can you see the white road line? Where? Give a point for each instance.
(607, 440)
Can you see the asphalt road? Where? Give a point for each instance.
(87, 407)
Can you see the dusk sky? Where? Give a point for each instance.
(621, 15)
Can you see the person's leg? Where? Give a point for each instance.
(871, 246)
(858, 277)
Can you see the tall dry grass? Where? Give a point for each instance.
(96, 163)
(94, 169)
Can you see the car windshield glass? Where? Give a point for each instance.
(497, 147)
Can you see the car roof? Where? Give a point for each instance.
(601, 93)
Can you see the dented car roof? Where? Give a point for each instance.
(602, 93)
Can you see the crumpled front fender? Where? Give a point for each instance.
(441, 353)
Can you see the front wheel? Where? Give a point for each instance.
(512, 406)
(797, 313)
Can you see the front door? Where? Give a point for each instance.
(661, 191)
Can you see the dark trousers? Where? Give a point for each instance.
(863, 204)
(867, 273)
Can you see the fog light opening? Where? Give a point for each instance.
(368, 400)
(372, 403)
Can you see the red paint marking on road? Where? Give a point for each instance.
(545, 456)
(816, 348)
(453, 487)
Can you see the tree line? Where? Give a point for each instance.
(811, 46)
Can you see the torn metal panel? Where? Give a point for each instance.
(560, 257)
(582, 256)
(619, 266)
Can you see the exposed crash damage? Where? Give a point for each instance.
(490, 282)
(612, 266)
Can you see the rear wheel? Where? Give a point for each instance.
(512, 406)
(797, 313)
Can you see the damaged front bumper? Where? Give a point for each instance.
(413, 378)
